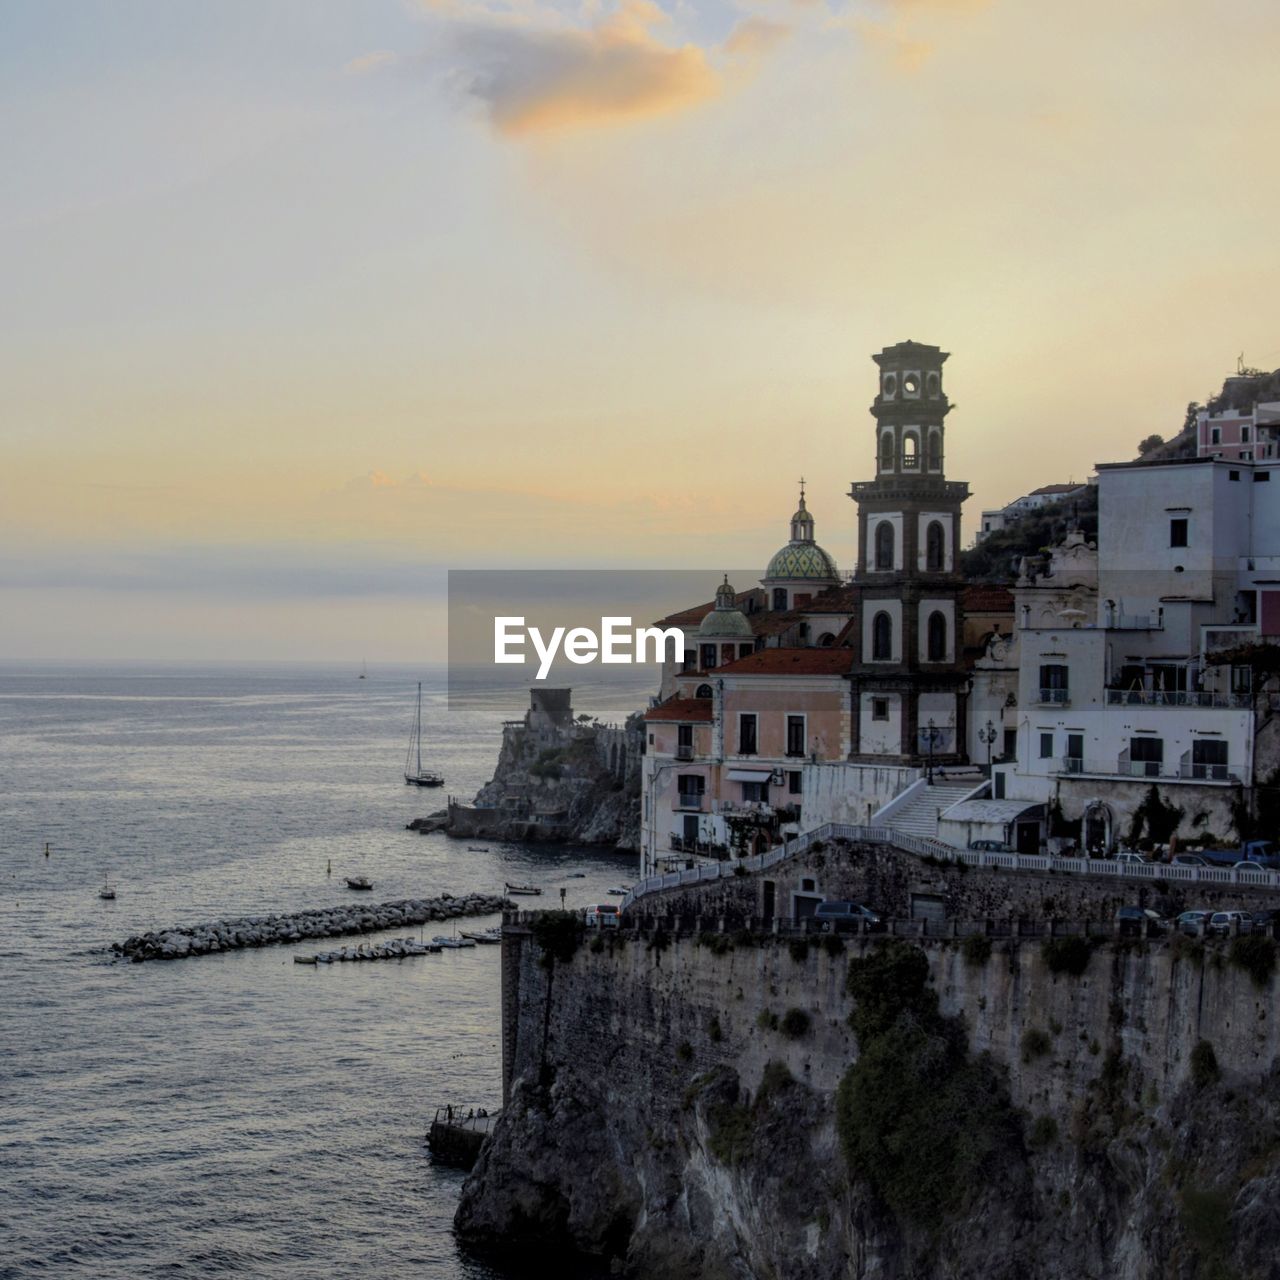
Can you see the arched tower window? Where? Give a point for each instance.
(884, 545)
(910, 452)
(779, 597)
(886, 451)
(934, 547)
(934, 459)
(937, 637)
(882, 638)
(702, 691)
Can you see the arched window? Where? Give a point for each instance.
(910, 447)
(937, 637)
(884, 545)
(886, 451)
(882, 638)
(934, 547)
(702, 691)
(935, 451)
(779, 597)
(826, 640)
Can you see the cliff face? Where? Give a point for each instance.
(679, 1108)
(569, 782)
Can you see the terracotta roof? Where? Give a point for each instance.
(692, 617)
(838, 600)
(695, 709)
(1058, 488)
(792, 662)
(985, 598)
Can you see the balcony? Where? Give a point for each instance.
(1055, 697)
(1177, 698)
(707, 848)
(1071, 764)
(691, 801)
(1136, 622)
(684, 751)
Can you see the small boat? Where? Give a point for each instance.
(576, 875)
(305, 959)
(451, 944)
(486, 937)
(477, 848)
(108, 891)
(527, 889)
(618, 891)
(359, 882)
(414, 774)
(364, 671)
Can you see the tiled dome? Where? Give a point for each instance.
(802, 560)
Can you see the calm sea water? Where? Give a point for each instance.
(239, 1114)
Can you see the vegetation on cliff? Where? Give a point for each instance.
(919, 1119)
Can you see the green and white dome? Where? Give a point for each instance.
(802, 560)
(726, 621)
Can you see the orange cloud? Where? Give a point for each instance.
(753, 37)
(543, 76)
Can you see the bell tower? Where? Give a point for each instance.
(910, 699)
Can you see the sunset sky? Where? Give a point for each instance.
(306, 301)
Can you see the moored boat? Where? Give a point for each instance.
(414, 774)
(359, 882)
(528, 889)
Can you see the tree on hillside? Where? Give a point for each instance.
(1150, 442)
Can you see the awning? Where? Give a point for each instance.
(750, 775)
(991, 811)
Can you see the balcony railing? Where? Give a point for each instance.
(1206, 772)
(690, 801)
(1058, 697)
(684, 751)
(1140, 768)
(1137, 622)
(1071, 764)
(1176, 698)
(707, 848)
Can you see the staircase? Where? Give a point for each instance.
(919, 815)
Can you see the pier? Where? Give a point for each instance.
(216, 936)
(457, 1139)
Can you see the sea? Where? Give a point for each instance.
(238, 1114)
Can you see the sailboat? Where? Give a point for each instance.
(413, 771)
(364, 671)
(108, 891)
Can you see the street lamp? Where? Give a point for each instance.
(987, 736)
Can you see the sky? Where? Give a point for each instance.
(306, 302)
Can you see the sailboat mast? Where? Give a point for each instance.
(418, 730)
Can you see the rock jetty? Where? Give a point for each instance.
(216, 936)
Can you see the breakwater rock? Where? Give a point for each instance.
(236, 934)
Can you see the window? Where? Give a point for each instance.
(879, 708)
(910, 447)
(684, 736)
(1146, 755)
(997, 786)
(691, 786)
(935, 451)
(1054, 686)
(793, 782)
(755, 792)
(795, 736)
(1215, 435)
(882, 638)
(702, 691)
(1261, 477)
(747, 734)
(708, 656)
(1233, 475)
(884, 545)
(779, 597)
(1046, 746)
(934, 547)
(1178, 531)
(1244, 435)
(1009, 747)
(936, 644)
(1209, 759)
(886, 451)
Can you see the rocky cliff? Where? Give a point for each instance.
(726, 1106)
(560, 779)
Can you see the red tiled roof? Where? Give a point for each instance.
(695, 709)
(691, 617)
(792, 662)
(1058, 488)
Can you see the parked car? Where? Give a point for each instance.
(1130, 856)
(1263, 852)
(1141, 920)
(1188, 860)
(832, 916)
(990, 846)
(1189, 922)
(1221, 921)
(606, 915)
(1262, 920)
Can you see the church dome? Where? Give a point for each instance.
(726, 621)
(802, 559)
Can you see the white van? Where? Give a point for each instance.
(605, 916)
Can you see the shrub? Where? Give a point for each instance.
(1256, 955)
(740, 870)
(716, 943)
(1035, 1044)
(891, 980)
(558, 934)
(799, 949)
(832, 944)
(1067, 955)
(766, 1020)
(976, 949)
(730, 1128)
(1206, 1215)
(742, 938)
(685, 1051)
(775, 1077)
(795, 1024)
(597, 944)
(659, 940)
(1043, 1133)
(1204, 1064)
